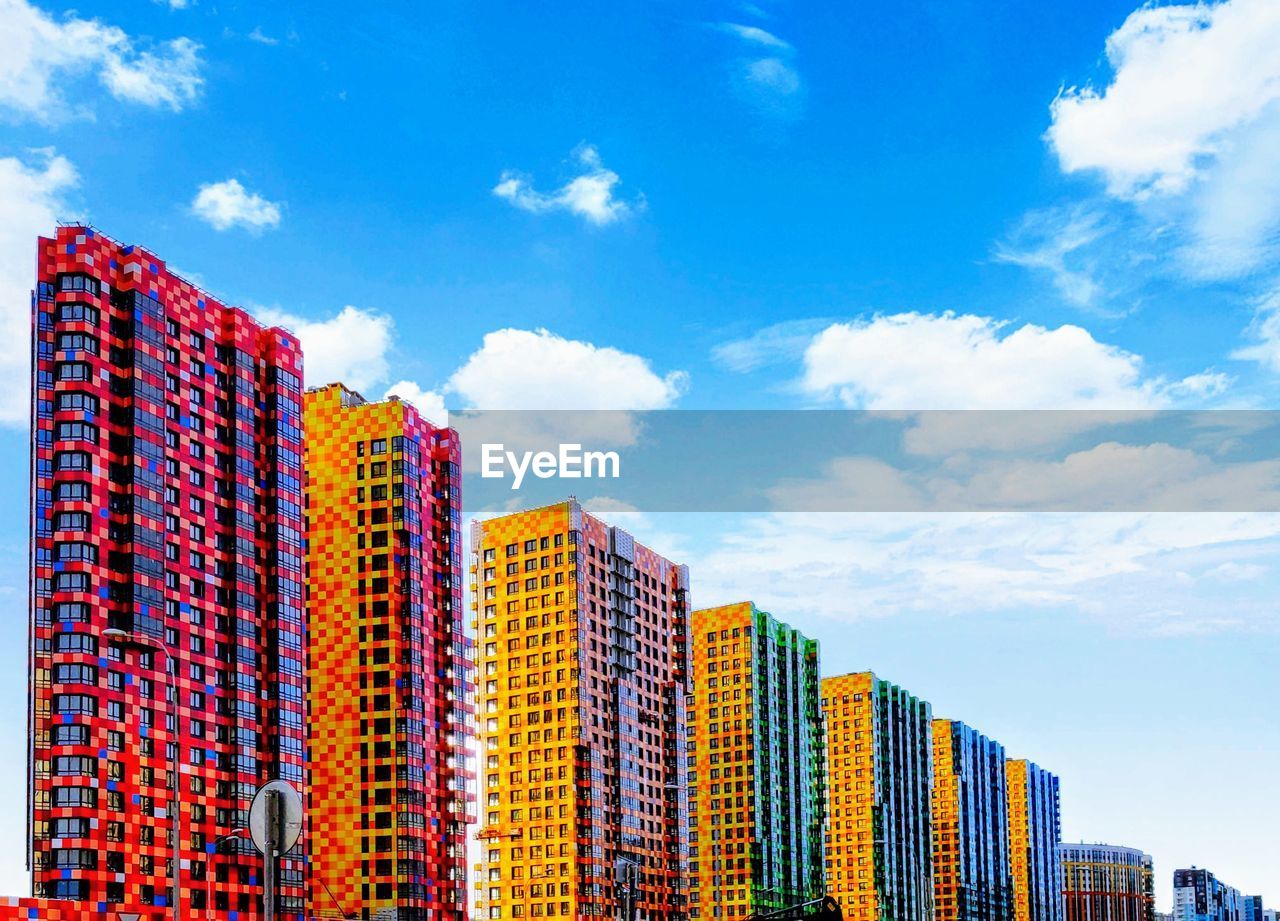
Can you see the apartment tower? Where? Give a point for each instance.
(1035, 835)
(879, 782)
(583, 636)
(756, 770)
(388, 664)
(166, 642)
(1103, 882)
(971, 874)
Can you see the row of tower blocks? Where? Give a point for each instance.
(234, 581)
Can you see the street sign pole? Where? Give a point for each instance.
(275, 823)
(269, 856)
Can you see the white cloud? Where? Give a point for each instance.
(755, 35)
(32, 197)
(262, 38)
(1186, 131)
(1052, 241)
(174, 4)
(227, 204)
(1265, 333)
(589, 195)
(536, 369)
(430, 403)
(40, 55)
(915, 361)
(780, 342)
(1122, 570)
(773, 75)
(1184, 78)
(765, 76)
(350, 347)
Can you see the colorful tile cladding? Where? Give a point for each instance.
(389, 666)
(166, 589)
(757, 765)
(583, 665)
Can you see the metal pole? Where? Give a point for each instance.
(177, 836)
(269, 858)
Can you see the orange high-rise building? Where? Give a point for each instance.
(757, 773)
(388, 665)
(1034, 841)
(582, 637)
(879, 783)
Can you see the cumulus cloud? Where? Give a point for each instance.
(537, 369)
(228, 204)
(589, 195)
(430, 403)
(33, 193)
(963, 361)
(1185, 129)
(350, 347)
(41, 55)
(1184, 77)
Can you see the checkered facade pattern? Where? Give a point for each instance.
(166, 590)
(971, 872)
(880, 782)
(24, 909)
(756, 765)
(1035, 834)
(389, 667)
(583, 646)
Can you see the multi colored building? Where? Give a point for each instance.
(1104, 882)
(166, 642)
(1198, 895)
(388, 664)
(1035, 835)
(879, 862)
(756, 765)
(583, 660)
(971, 874)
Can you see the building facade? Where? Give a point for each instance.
(756, 770)
(166, 642)
(1103, 882)
(1251, 908)
(879, 861)
(1198, 895)
(389, 666)
(583, 672)
(1035, 835)
(971, 872)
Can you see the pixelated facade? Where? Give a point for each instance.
(971, 873)
(583, 652)
(1104, 882)
(166, 589)
(756, 770)
(879, 784)
(389, 667)
(1035, 834)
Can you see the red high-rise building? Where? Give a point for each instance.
(166, 592)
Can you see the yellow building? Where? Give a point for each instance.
(1035, 840)
(971, 873)
(879, 783)
(582, 636)
(388, 670)
(756, 776)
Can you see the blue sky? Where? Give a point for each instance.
(703, 205)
